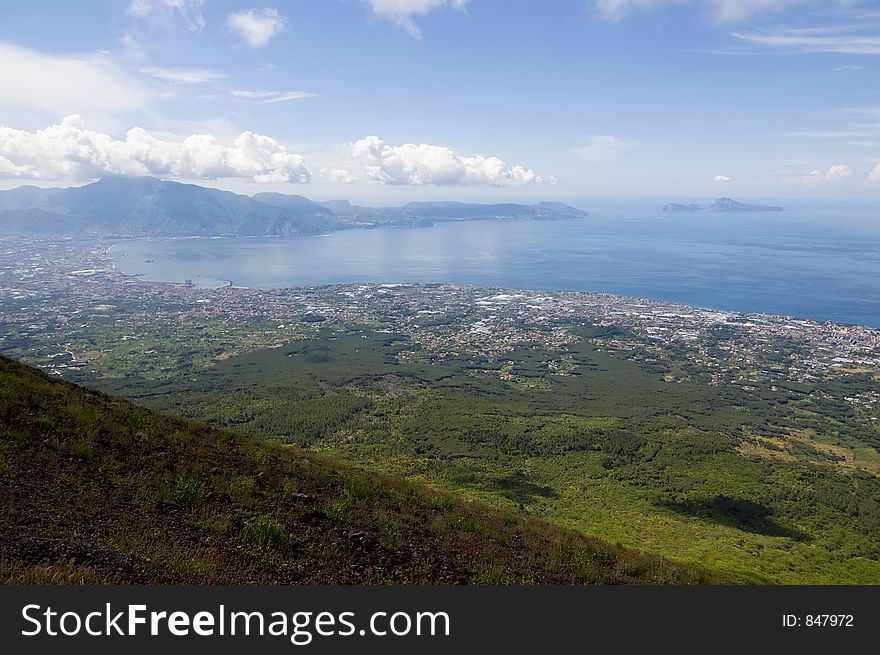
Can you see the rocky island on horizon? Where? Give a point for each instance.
(720, 205)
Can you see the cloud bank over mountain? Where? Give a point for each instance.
(69, 150)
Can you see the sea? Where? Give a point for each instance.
(812, 261)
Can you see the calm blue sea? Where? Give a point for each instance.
(818, 263)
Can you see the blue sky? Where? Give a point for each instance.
(384, 101)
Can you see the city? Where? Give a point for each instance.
(65, 307)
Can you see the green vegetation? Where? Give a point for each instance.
(156, 499)
(765, 484)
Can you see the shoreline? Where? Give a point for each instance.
(229, 283)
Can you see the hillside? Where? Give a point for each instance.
(147, 206)
(425, 214)
(94, 490)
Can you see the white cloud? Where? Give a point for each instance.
(833, 174)
(735, 10)
(855, 133)
(288, 95)
(861, 126)
(337, 175)
(720, 10)
(183, 75)
(617, 9)
(65, 84)
(133, 48)
(401, 12)
(256, 27)
(420, 164)
(841, 40)
(874, 176)
(602, 148)
(838, 171)
(721, 179)
(189, 11)
(269, 97)
(70, 151)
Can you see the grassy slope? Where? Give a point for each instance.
(94, 489)
(612, 451)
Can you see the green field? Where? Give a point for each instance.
(767, 485)
(94, 490)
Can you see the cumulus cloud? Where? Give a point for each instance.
(401, 12)
(834, 173)
(337, 175)
(602, 148)
(269, 97)
(839, 171)
(189, 11)
(420, 164)
(69, 150)
(66, 83)
(183, 75)
(256, 27)
(721, 179)
(874, 176)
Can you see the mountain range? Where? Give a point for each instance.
(721, 205)
(147, 206)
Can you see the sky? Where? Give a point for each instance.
(387, 101)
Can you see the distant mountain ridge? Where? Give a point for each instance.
(423, 214)
(721, 205)
(147, 206)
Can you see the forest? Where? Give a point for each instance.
(756, 486)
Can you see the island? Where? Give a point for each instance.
(720, 205)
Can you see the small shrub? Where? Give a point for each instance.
(453, 525)
(263, 530)
(290, 487)
(83, 415)
(242, 489)
(492, 575)
(358, 491)
(442, 503)
(83, 449)
(187, 489)
(357, 494)
(258, 457)
(389, 530)
(213, 522)
(45, 423)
